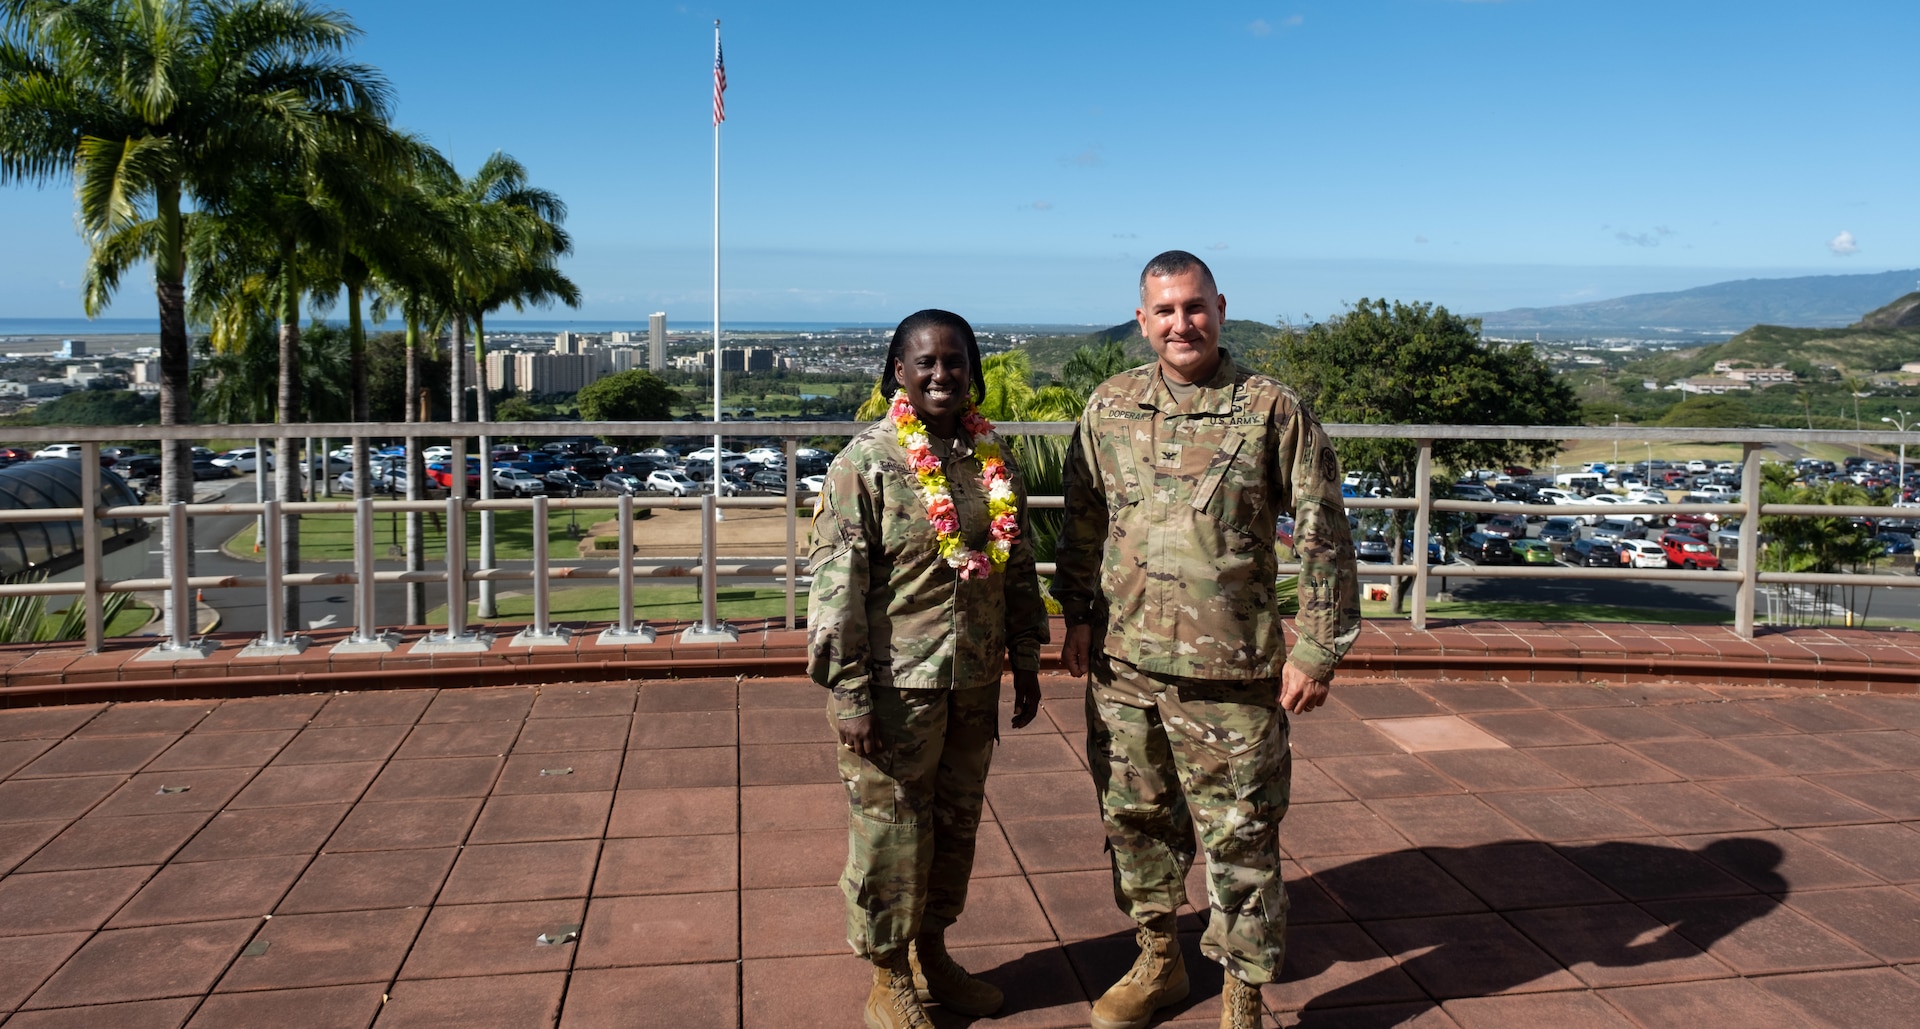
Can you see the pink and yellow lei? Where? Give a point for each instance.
(995, 482)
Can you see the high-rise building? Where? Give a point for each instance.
(569, 343)
(657, 340)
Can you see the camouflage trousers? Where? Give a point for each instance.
(913, 813)
(1170, 755)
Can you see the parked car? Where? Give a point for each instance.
(773, 480)
(1685, 551)
(138, 466)
(1507, 526)
(1641, 553)
(1373, 547)
(664, 481)
(204, 468)
(437, 454)
(1487, 549)
(57, 451)
(1469, 489)
(1560, 529)
(518, 482)
(1592, 553)
(813, 483)
(1437, 553)
(441, 472)
(766, 455)
(1613, 530)
(568, 483)
(1532, 552)
(244, 459)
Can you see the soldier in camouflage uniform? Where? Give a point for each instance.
(909, 629)
(1177, 474)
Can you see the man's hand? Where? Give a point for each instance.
(1076, 650)
(861, 736)
(1026, 697)
(1299, 693)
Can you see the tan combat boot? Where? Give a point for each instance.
(1158, 978)
(939, 978)
(1239, 1005)
(891, 1003)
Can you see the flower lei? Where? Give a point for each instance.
(994, 481)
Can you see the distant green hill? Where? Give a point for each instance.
(1825, 301)
(1903, 313)
(1049, 353)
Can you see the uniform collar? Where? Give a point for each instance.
(1215, 395)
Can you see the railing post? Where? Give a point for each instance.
(177, 589)
(1422, 528)
(456, 640)
(366, 637)
(710, 628)
(541, 632)
(793, 527)
(90, 545)
(276, 642)
(179, 645)
(625, 631)
(1749, 595)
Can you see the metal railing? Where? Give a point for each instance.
(459, 573)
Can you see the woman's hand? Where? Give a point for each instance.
(861, 736)
(1026, 697)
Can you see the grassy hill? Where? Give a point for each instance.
(1048, 353)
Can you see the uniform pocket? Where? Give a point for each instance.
(1259, 770)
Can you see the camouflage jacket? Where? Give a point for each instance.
(885, 607)
(1171, 512)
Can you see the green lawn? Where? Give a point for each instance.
(329, 537)
(1520, 611)
(655, 603)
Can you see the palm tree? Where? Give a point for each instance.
(510, 238)
(156, 107)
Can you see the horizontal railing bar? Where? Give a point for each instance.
(1634, 434)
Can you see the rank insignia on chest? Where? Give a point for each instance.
(1169, 455)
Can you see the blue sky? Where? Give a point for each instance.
(1019, 162)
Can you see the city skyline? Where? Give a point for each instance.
(1018, 164)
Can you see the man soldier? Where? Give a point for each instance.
(1177, 475)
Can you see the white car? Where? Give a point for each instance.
(813, 484)
(55, 451)
(706, 454)
(1550, 495)
(432, 454)
(243, 459)
(812, 454)
(518, 482)
(1642, 554)
(671, 482)
(765, 455)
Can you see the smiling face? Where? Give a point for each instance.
(933, 370)
(1180, 315)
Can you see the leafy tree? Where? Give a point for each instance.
(98, 407)
(630, 396)
(1090, 366)
(1394, 363)
(1821, 544)
(1709, 412)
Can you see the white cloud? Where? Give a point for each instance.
(1262, 27)
(1089, 157)
(1843, 245)
(1216, 246)
(1039, 205)
(1420, 239)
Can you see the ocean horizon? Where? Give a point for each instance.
(149, 326)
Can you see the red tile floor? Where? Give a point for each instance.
(1458, 854)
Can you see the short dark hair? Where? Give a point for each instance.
(920, 321)
(1173, 262)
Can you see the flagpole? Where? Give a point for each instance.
(710, 626)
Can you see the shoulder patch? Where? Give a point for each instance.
(1329, 465)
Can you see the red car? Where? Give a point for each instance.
(1688, 552)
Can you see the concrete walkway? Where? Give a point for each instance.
(1458, 853)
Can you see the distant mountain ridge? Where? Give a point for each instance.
(1809, 301)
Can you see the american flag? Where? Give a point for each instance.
(719, 83)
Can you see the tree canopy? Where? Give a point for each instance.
(631, 396)
(1394, 363)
